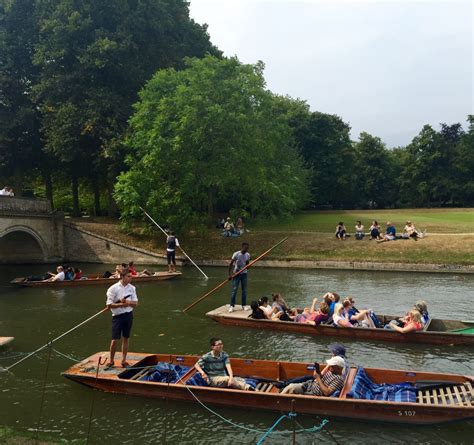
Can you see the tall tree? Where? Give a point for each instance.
(206, 138)
(94, 57)
(20, 143)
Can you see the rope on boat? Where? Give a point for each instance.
(313, 429)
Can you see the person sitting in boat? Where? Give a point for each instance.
(356, 317)
(309, 313)
(68, 273)
(257, 313)
(412, 323)
(216, 370)
(279, 303)
(337, 350)
(321, 385)
(270, 312)
(331, 298)
(58, 276)
(118, 270)
(422, 308)
(133, 271)
(78, 274)
(319, 316)
(340, 318)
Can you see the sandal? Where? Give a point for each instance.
(125, 364)
(109, 366)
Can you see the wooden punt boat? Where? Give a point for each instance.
(93, 280)
(437, 331)
(452, 402)
(5, 340)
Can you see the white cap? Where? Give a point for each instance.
(336, 361)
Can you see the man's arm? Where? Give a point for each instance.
(326, 390)
(231, 264)
(230, 372)
(201, 371)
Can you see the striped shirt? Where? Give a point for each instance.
(214, 366)
(334, 381)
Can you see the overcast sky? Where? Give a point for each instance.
(385, 66)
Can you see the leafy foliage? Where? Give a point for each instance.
(206, 139)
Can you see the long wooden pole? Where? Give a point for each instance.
(184, 253)
(233, 276)
(55, 339)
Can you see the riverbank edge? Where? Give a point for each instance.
(353, 265)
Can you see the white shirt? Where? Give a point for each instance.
(116, 293)
(59, 277)
(4, 192)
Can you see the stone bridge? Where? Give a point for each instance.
(29, 231)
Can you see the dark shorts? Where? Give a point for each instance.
(171, 257)
(122, 325)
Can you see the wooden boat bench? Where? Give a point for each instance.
(267, 387)
(461, 394)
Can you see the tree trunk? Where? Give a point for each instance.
(75, 196)
(112, 209)
(96, 189)
(48, 185)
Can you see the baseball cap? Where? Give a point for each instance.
(336, 361)
(338, 349)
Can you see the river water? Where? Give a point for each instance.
(31, 398)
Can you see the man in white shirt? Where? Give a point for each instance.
(121, 300)
(58, 276)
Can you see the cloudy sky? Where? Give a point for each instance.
(385, 66)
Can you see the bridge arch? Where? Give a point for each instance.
(19, 244)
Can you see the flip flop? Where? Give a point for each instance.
(109, 366)
(125, 364)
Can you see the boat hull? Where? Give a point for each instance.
(364, 410)
(92, 281)
(241, 319)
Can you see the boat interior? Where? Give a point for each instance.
(432, 389)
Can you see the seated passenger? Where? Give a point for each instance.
(337, 350)
(325, 385)
(267, 310)
(257, 313)
(68, 273)
(78, 274)
(412, 323)
(422, 308)
(133, 270)
(331, 298)
(216, 370)
(356, 317)
(341, 320)
(58, 276)
(279, 303)
(319, 316)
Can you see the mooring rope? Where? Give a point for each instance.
(313, 429)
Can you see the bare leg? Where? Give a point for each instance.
(113, 348)
(124, 352)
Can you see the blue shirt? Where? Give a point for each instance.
(391, 230)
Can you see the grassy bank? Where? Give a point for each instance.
(450, 237)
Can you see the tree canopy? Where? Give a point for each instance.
(209, 138)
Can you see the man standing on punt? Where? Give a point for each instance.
(121, 300)
(239, 260)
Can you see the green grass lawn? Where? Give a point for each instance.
(432, 220)
(450, 237)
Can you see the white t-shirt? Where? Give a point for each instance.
(337, 318)
(240, 261)
(116, 293)
(59, 277)
(268, 310)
